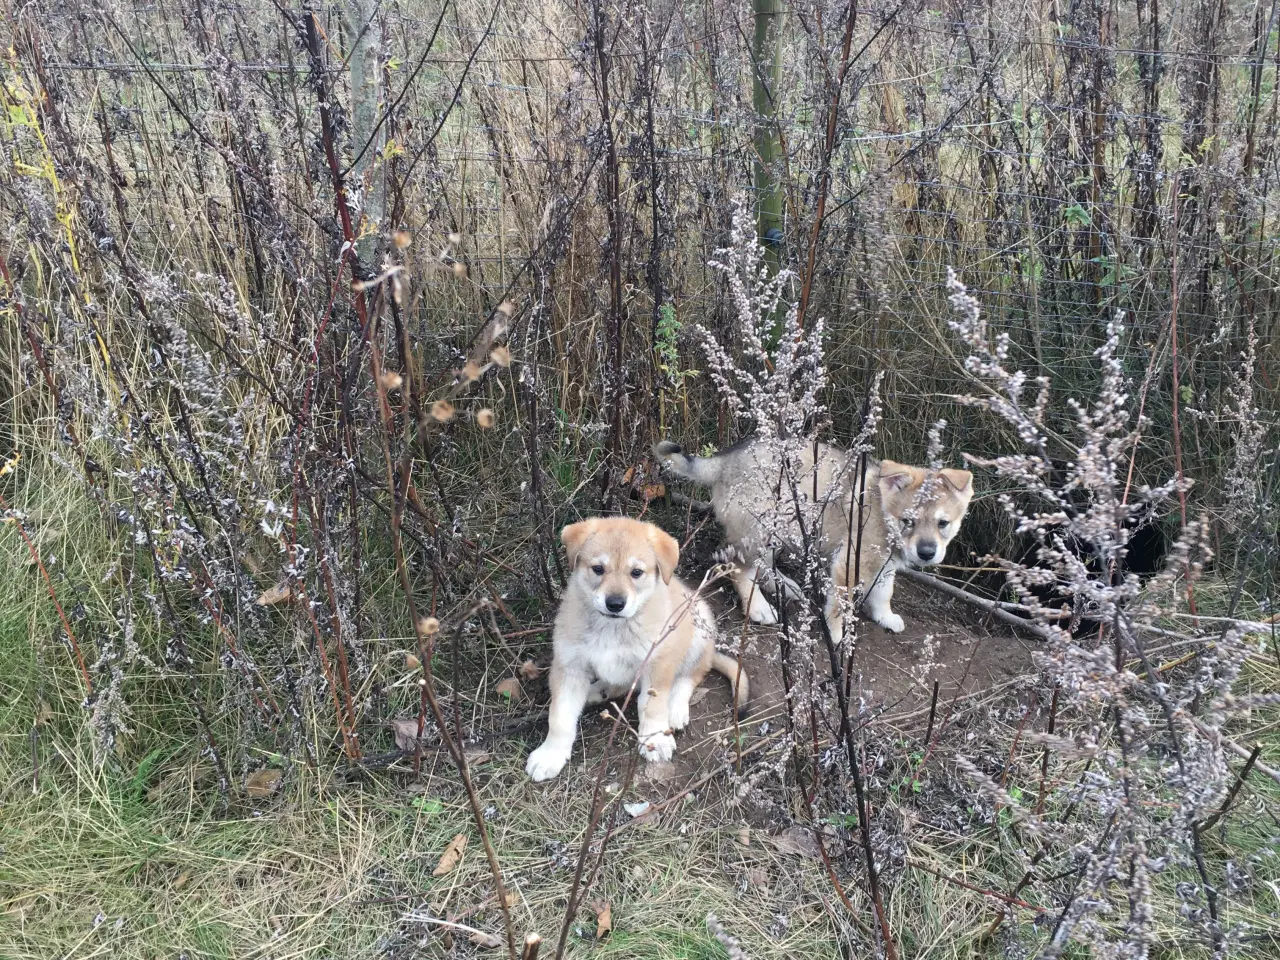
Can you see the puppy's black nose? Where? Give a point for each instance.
(615, 602)
(926, 550)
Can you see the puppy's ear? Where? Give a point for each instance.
(895, 477)
(961, 480)
(573, 537)
(667, 550)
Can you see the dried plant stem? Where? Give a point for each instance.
(990, 606)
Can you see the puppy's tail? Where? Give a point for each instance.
(704, 470)
(728, 666)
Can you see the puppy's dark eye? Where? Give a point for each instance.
(637, 574)
(942, 524)
(908, 524)
(598, 569)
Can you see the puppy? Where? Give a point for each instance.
(626, 619)
(909, 516)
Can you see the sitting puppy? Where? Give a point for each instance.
(626, 619)
(908, 518)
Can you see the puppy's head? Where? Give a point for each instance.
(619, 562)
(925, 506)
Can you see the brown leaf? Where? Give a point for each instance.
(21, 907)
(411, 662)
(796, 841)
(744, 836)
(44, 713)
(508, 689)
(452, 854)
(628, 475)
(530, 670)
(604, 917)
(263, 783)
(179, 783)
(277, 594)
(405, 733)
(653, 491)
(486, 941)
(183, 879)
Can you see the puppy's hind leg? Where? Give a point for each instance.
(754, 604)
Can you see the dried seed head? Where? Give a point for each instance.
(390, 380)
(428, 626)
(442, 410)
(455, 239)
(500, 355)
(484, 418)
(401, 239)
(459, 269)
(507, 307)
(471, 371)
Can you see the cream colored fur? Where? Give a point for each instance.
(909, 516)
(626, 620)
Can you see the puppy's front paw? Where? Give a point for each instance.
(891, 622)
(760, 611)
(658, 747)
(678, 715)
(545, 762)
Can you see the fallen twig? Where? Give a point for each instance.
(993, 607)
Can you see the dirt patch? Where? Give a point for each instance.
(944, 640)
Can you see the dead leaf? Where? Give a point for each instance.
(796, 841)
(44, 713)
(604, 917)
(530, 670)
(263, 783)
(657, 772)
(508, 689)
(653, 491)
(21, 907)
(452, 854)
(628, 475)
(405, 733)
(277, 594)
(180, 782)
(698, 696)
(411, 662)
(637, 809)
(744, 836)
(183, 879)
(758, 877)
(486, 941)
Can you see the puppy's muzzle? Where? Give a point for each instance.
(926, 551)
(615, 603)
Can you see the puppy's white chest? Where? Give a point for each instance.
(614, 654)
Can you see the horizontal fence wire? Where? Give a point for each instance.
(948, 142)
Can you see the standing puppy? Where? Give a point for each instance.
(907, 517)
(626, 619)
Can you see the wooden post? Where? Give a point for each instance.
(364, 27)
(766, 51)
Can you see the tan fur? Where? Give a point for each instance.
(746, 492)
(657, 635)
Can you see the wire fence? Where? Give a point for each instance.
(1068, 163)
